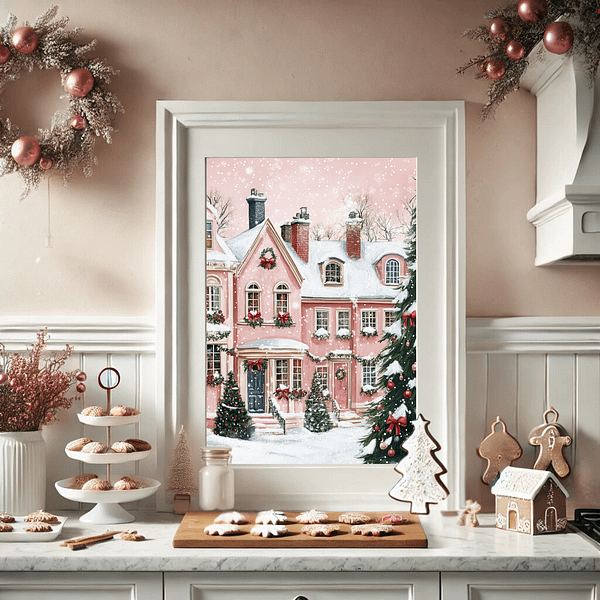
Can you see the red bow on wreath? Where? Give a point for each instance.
(395, 423)
(283, 317)
(409, 318)
(255, 363)
(253, 317)
(267, 263)
(283, 393)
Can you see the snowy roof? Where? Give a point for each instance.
(240, 244)
(360, 279)
(224, 255)
(524, 483)
(274, 344)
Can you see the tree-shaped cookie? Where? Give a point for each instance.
(500, 449)
(421, 483)
(551, 438)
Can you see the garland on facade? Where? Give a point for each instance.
(513, 31)
(254, 319)
(214, 380)
(283, 320)
(70, 141)
(216, 317)
(229, 351)
(215, 336)
(268, 262)
(333, 355)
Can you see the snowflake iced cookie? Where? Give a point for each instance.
(375, 530)
(311, 516)
(319, 529)
(354, 517)
(221, 529)
(269, 530)
(38, 527)
(394, 519)
(270, 516)
(231, 517)
(41, 516)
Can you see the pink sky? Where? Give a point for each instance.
(323, 185)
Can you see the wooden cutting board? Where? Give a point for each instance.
(190, 534)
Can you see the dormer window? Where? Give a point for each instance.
(392, 272)
(333, 273)
(209, 234)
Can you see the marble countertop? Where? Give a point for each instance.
(451, 548)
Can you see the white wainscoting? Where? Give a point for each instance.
(516, 369)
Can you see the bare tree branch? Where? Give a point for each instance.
(223, 207)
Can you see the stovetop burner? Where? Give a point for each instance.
(587, 520)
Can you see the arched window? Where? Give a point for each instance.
(333, 272)
(213, 294)
(392, 272)
(252, 297)
(282, 298)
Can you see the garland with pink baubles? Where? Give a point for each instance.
(69, 143)
(512, 32)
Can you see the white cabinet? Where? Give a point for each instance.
(520, 586)
(300, 586)
(77, 586)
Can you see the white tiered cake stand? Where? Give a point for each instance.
(108, 507)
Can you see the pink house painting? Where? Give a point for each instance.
(281, 306)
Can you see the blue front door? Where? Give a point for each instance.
(256, 391)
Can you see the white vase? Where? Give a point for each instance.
(22, 472)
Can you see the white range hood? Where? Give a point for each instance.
(567, 210)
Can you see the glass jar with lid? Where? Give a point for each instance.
(217, 491)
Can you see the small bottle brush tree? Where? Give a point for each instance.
(389, 418)
(232, 418)
(183, 475)
(316, 417)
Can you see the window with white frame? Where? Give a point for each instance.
(213, 359)
(213, 298)
(343, 319)
(252, 297)
(322, 374)
(282, 298)
(333, 272)
(368, 320)
(321, 319)
(209, 234)
(296, 373)
(392, 272)
(369, 376)
(389, 317)
(282, 375)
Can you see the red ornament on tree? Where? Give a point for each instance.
(532, 11)
(495, 68)
(414, 367)
(515, 50)
(379, 406)
(558, 37)
(25, 39)
(391, 452)
(499, 28)
(376, 428)
(390, 385)
(407, 394)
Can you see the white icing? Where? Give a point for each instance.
(311, 516)
(269, 530)
(221, 529)
(270, 516)
(231, 517)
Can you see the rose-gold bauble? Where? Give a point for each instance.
(482, 66)
(79, 83)
(25, 40)
(25, 151)
(3, 378)
(414, 367)
(499, 28)
(81, 387)
(4, 54)
(532, 11)
(77, 122)
(46, 163)
(383, 446)
(81, 376)
(558, 37)
(391, 452)
(515, 50)
(495, 69)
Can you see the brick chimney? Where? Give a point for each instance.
(256, 208)
(300, 233)
(353, 228)
(286, 232)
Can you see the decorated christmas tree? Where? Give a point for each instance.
(421, 483)
(316, 417)
(183, 475)
(389, 417)
(232, 418)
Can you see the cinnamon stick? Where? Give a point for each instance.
(82, 542)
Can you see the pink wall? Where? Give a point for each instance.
(101, 260)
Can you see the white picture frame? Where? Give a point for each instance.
(188, 132)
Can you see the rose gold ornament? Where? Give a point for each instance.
(532, 11)
(4, 54)
(25, 40)
(558, 37)
(481, 66)
(414, 367)
(25, 151)
(79, 83)
(383, 446)
(81, 376)
(81, 388)
(499, 28)
(3, 378)
(515, 50)
(495, 69)
(77, 122)
(46, 163)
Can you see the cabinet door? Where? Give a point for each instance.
(309, 586)
(520, 586)
(78, 586)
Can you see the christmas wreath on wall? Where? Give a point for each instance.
(513, 31)
(260, 364)
(268, 262)
(69, 143)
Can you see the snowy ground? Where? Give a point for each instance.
(339, 446)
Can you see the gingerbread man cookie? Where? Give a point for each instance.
(500, 449)
(551, 444)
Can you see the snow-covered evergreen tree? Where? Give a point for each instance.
(316, 416)
(389, 418)
(232, 418)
